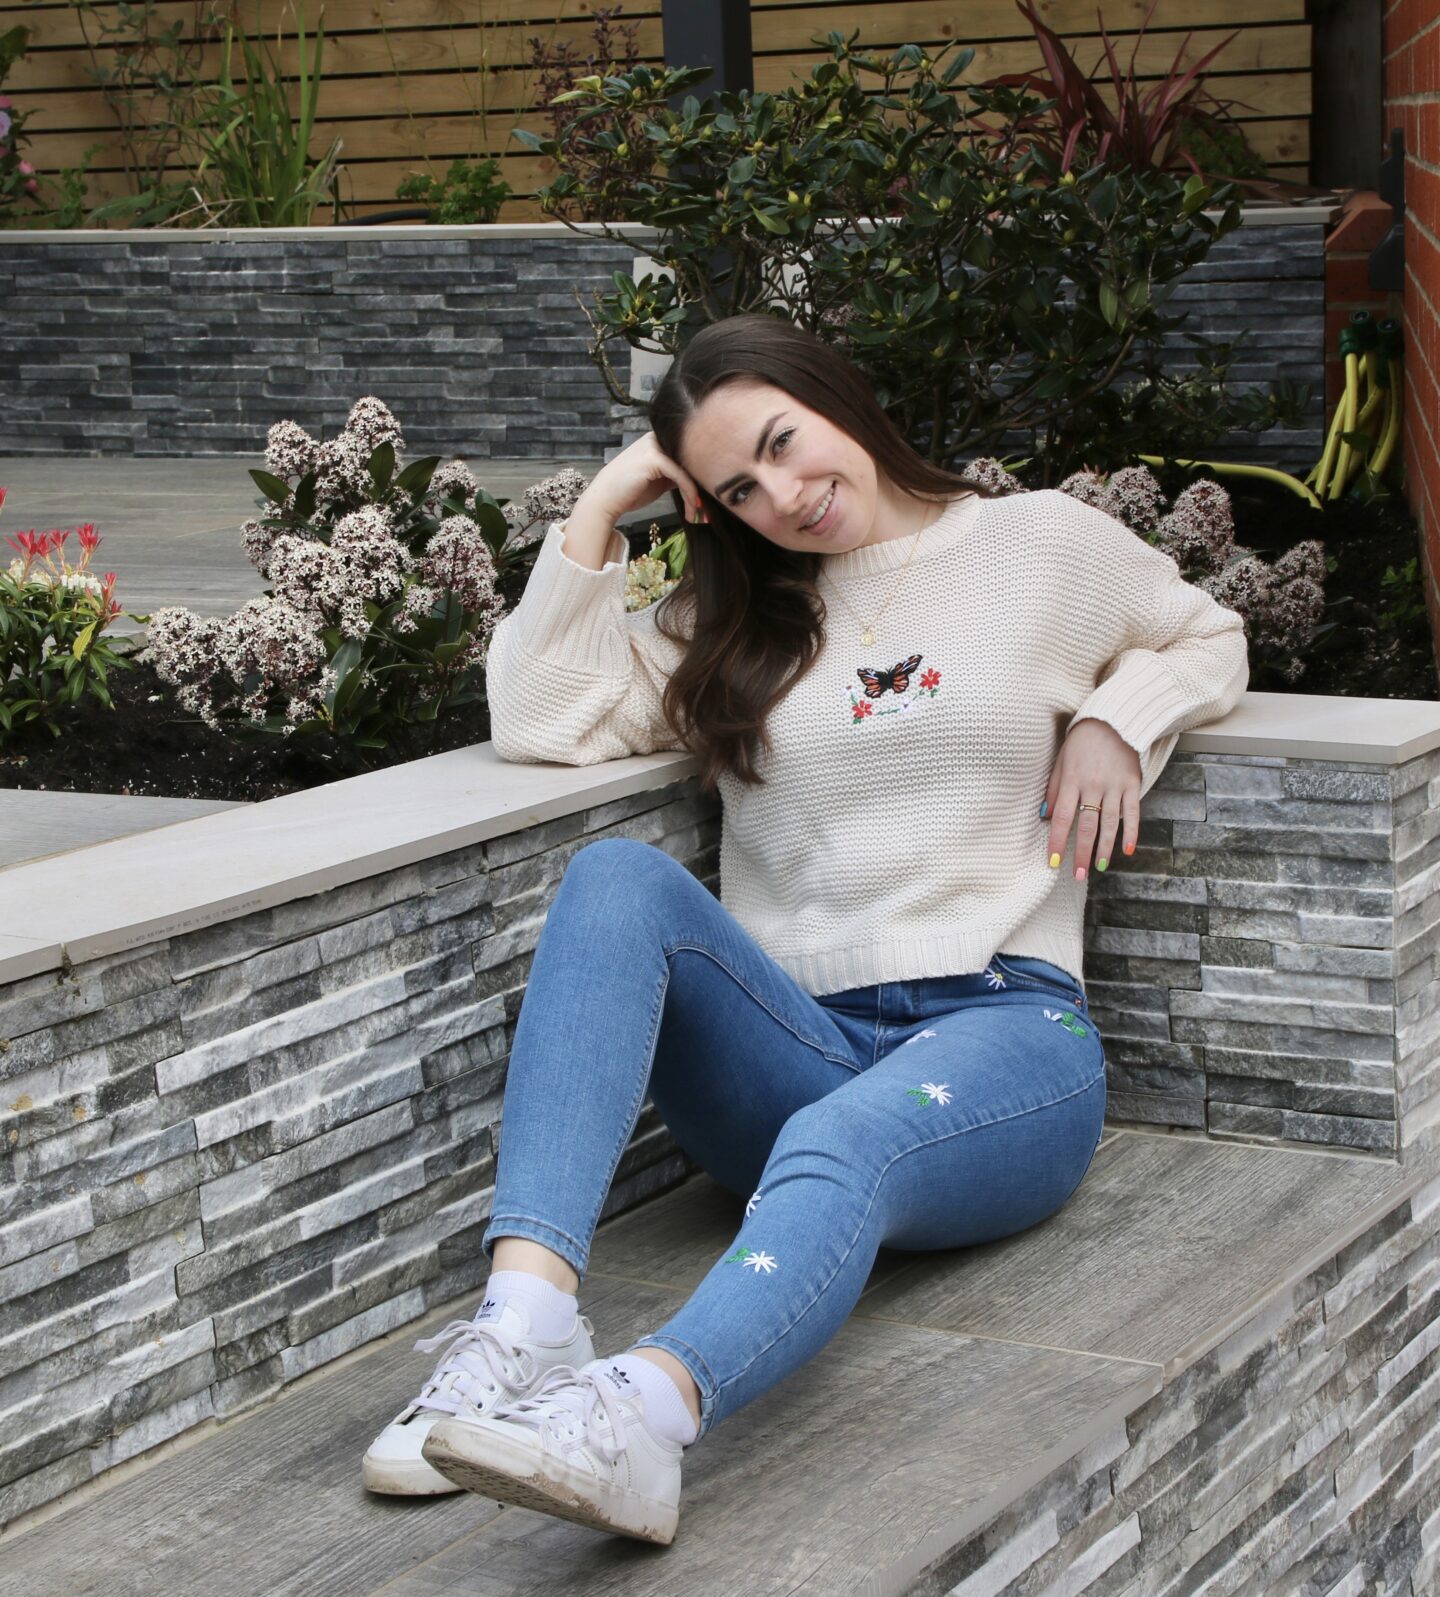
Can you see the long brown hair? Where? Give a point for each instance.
(754, 620)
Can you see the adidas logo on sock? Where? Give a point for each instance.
(619, 1380)
(488, 1307)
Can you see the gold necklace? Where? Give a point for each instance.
(867, 635)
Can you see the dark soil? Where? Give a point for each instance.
(148, 745)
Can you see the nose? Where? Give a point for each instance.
(787, 491)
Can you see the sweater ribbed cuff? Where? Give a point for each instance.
(1142, 701)
(570, 615)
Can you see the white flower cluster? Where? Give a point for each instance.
(646, 581)
(276, 644)
(987, 472)
(372, 422)
(331, 584)
(290, 451)
(340, 463)
(551, 499)
(457, 557)
(453, 479)
(1280, 604)
(267, 646)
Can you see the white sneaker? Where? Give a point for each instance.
(487, 1363)
(578, 1447)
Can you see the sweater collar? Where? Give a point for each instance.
(957, 517)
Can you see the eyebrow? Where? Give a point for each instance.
(730, 482)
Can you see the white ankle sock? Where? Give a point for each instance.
(552, 1312)
(665, 1411)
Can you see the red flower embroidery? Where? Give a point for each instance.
(929, 678)
(863, 707)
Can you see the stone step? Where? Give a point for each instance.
(964, 1381)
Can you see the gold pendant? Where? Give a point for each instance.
(867, 637)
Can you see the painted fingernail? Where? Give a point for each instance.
(1054, 861)
(1100, 864)
(1079, 873)
(1129, 848)
(1044, 806)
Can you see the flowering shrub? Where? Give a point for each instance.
(1281, 603)
(52, 617)
(385, 588)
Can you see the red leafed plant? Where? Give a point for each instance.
(1139, 132)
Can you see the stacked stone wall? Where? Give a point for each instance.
(1300, 1457)
(192, 345)
(1242, 964)
(233, 1156)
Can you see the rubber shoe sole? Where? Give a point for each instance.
(400, 1477)
(510, 1475)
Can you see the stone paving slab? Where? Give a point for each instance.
(884, 1453)
(172, 526)
(36, 825)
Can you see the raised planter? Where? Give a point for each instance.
(180, 342)
(253, 1063)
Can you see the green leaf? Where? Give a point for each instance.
(272, 487)
(415, 478)
(82, 640)
(1105, 197)
(771, 224)
(382, 466)
(1109, 304)
(305, 496)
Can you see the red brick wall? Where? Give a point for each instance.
(1412, 101)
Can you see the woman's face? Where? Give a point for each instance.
(773, 462)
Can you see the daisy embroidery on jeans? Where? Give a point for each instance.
(750, 1203)
(930, 1092)
(994, 977)
(751, 1259)
(919, 1035)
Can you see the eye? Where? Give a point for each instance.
(777, 443)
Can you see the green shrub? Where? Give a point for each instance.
(982, 290)
(471, 191)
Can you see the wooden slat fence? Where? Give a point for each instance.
(409, 85)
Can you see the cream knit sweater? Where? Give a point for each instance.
(898, 833)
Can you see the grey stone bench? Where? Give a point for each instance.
(253, 1065)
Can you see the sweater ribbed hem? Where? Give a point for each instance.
(577, 617)
(835, 970)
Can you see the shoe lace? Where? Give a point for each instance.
(566, 1400)
(479, 1362)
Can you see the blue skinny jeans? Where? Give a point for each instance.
(920, 1115)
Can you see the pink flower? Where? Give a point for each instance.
(26, 168)
(5, 102)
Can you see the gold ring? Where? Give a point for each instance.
(1089, 806)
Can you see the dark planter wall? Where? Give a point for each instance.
(180, 344)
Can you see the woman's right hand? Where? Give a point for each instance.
(639, 473)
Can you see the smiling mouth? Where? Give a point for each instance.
(818, 514)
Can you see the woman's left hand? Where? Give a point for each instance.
(1096, 766)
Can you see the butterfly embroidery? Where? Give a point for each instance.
(897, 678)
